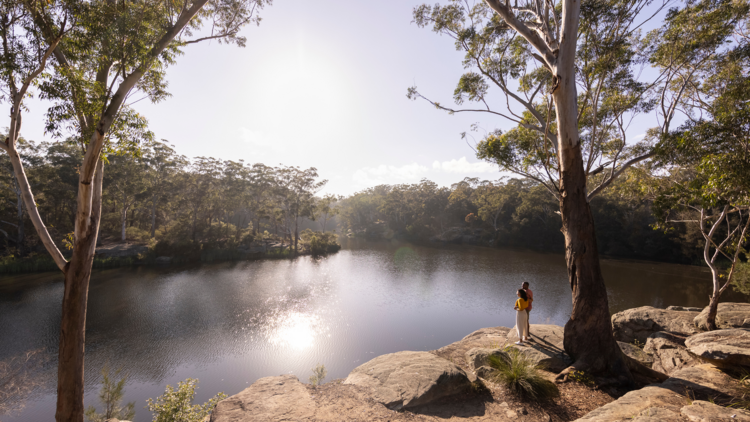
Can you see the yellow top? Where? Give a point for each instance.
(522, 304)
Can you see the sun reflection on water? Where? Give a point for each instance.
(296, 330)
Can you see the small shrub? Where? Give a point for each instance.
(319, 374)
(111, 396)
(582, 378)
(177, 405)
(741, 278)
(520, 374)
(137, 235)
(320, 243)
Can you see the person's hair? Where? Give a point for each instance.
(525, 284)
(522, 292)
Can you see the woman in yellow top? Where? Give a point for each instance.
(522, 317)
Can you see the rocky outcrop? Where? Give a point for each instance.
(408, 379)
(282, 398)
(478, 361)
(646, 404)
(684, 308)
(703, 411)
(668, 352)
(635, 352)
(727, 348)
(676, 399)
(702, 382)
(639, 323)
(728, 315)
(546, 346)
(485, 338)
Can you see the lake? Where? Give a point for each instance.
(229, 324)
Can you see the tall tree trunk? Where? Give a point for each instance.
(123, 222)
(75, 297)
(296, 233)
(588, 337)
(21, 238)
(153, 216)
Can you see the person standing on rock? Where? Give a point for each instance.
(522, 317)
(530, 295)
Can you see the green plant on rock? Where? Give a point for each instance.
(176, 405)
(582, 378)
(521, 374)
(319, 374)
(111, 396)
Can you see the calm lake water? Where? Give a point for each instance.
(230, 324)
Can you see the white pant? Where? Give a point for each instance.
(522, 321)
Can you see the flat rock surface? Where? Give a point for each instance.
(545, 346)
(684, 308)
(479, 357)
(703, 411)
(639, 323)
(485, 338)
(282, 398)
(408, 379)
(119, 250)
(669, 352)
(649, 403)
(636, 353)
(729, 348)
(703, 382)
(728, 315)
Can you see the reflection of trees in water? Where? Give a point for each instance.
(21, 377)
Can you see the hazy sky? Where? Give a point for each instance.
(322, 84)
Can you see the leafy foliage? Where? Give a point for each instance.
(110, 396)
(319, 374)
(520, 374)
(176, 405)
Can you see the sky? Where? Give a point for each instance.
(322, 84)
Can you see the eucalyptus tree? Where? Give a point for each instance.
(12, 193)
(234, 180)
(163, 165)
(297, 189)
(702, 175)
(325, 208)
(567, 75)
(260, 193)
(126, 184)
(105, 54)
(24, 58)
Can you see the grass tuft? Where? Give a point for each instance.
(520, 374)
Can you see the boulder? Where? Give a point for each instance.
(637, 353)
(726, 348)
(546, 346)
(479, 357)
(645, 405)
(669, 352)
(703, 382)
(485, 338)
(728, 315)
(684, 308)
(703, 411)
(282, 398)
(639, 323)
(408, 379)
(547, 335)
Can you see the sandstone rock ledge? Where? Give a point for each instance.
(409, 379)
(448, 383)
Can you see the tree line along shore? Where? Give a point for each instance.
(211, 210)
